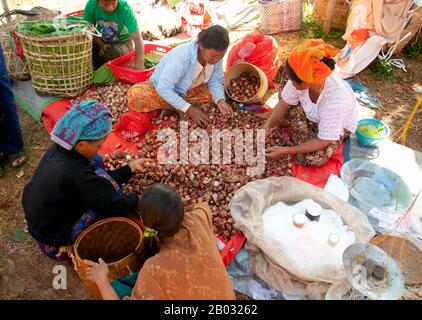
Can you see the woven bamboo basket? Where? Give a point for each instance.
(60, 65)
(405, 253)
(16, 66)
(118, 241)
(280, 16)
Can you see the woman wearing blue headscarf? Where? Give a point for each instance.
(70, 190)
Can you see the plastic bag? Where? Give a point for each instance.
(266, 260)
(351, 60)
(195, 16)
(134, 124)
(259, 50)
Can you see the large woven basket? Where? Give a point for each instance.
(60, 65)
(280, 16)
(405, 253)
(16, 66)
(118, 241)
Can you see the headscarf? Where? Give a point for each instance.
(306, 60)
(88, 120)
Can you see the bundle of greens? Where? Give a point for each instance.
(61, 26)
(151, 60)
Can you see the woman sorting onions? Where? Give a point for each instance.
(70, 189)
(189, 74)
(183, 261)
(319, 108)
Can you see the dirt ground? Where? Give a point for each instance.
(27, 274)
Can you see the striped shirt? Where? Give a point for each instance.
(335, 110)
(175, 73)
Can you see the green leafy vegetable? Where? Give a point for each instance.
(151, 60)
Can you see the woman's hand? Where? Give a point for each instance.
(267, 129)
(276, 153)
(103, 49)
(98, 272)
(198, 116)
(138, 165)
(139, 63)
(224, 107)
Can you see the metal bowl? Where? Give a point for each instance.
(372, 185)
(354, 258)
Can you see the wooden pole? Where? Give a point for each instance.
(329, 15)
(5, 9)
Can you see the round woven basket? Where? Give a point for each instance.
(60, 65)
(407, 256)
(118, 241)
(17, 67)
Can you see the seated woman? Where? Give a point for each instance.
(70, 190)
(320, 108)
(187, 265)
(116, 22)
(191, 73)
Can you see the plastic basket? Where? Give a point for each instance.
(79, 13)
(126, 75)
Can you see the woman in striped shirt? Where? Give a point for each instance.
(191, 73)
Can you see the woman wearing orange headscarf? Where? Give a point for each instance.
(319, 108)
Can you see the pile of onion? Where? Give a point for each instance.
(244, 88)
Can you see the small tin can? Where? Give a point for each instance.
(313, 211)
(333, 239)
(299, 220)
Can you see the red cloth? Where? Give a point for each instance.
(115, 142)
(306, 60)
(53, 113)
(318, 176)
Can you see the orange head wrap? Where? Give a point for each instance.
(306, 60)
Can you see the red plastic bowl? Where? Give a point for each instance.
(126, 75)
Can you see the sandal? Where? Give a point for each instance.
(18, 160)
